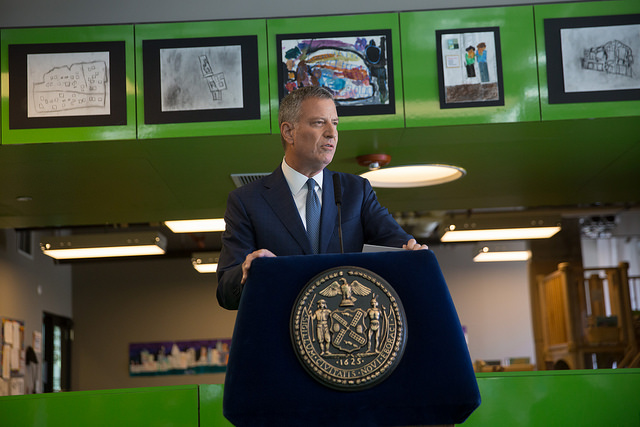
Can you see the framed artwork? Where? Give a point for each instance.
(469, 67)
(67, 85)
(591, 59)
(201, 79)
(179, 357)
(356, 66)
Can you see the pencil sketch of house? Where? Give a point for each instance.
(77, 86)
(201, 78)
(613, 57)
(215, 81)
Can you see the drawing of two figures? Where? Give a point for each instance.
(471, 57)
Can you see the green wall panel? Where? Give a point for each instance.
(585, 109)
(326, 24)
(603, 397)
(558, 398)
(211, 396)
(419, 59)
(202, 30)
(43, 36)
(175, 406)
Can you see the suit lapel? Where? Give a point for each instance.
(278, 195)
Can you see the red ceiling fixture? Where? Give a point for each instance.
(374, 161)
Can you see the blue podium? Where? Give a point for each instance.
(267, 385)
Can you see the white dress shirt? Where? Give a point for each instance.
(298, 186)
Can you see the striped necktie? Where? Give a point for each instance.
(313, 216)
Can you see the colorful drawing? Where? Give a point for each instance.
(478, 83)
(178, 357)
(354, 68)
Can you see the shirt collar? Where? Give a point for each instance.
(296, 180)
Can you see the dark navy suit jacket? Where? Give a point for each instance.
(263, 215)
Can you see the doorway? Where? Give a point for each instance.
(57, 334)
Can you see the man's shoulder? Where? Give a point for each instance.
(349, 180)
(257, 184)
(346, 177)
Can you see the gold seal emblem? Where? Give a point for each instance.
(348, 328)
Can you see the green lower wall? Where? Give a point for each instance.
(175, 406)
(559, 398)
(549, 398)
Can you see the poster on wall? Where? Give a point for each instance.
(12, 357)
(593, 59)
(201, 79)
(470, 67)
(179, 357)
(67, 85)
(356, 66)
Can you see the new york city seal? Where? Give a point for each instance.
(348, 328)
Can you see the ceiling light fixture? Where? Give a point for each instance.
(499, 228)
(196, 225)
(374, 161)
(104, 245)
(406, 176)
(205, 262)
(485, 255)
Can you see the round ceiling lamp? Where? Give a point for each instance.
(408, 176)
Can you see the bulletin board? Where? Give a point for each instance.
(12, 357)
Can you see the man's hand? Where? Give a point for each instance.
(249, 259)
(412, 245)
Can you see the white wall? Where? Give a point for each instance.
(30, 286)
(492, 300)
(118, 303)
(135, 301)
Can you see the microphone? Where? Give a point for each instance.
(337, 194)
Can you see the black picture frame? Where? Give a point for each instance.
(248, 103)
(462, 84)
(572, 41)
(46, 117)
(372, 52)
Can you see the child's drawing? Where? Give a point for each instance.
(201, 78)
(68, 84)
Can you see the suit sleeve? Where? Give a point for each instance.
(237, 243)
(379, 226)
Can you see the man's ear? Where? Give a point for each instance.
(287, 131)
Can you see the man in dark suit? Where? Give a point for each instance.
(268, 217)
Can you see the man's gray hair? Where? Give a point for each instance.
(290, 105)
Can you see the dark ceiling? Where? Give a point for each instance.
(558, 164)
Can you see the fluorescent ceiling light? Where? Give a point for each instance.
(477, 228)
(499, 234)
(104, 245)
(196, 225)
(413, 176)
(205, 262)
(502, 256)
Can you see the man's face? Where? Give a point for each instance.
(312, 141)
